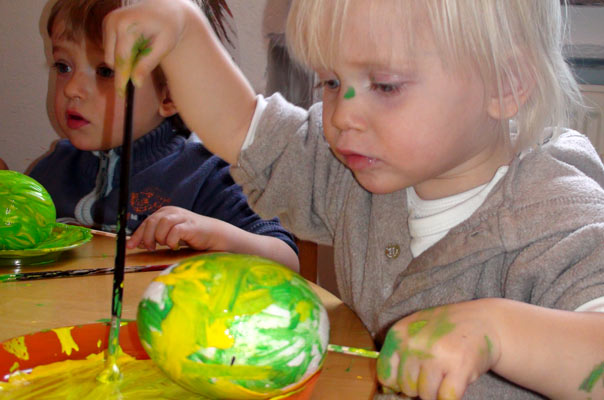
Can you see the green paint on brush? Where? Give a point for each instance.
(117, 304)
(589, 382)
(353, 351)
(350, 93)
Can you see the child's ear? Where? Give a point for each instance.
(515, 91)
(166, 105)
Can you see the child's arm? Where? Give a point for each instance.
(211, 94)
(438, 352)
(172, 226)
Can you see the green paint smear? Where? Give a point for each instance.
(349, 366)
(443, 326)
(589, 382)
(350, 93)
(141, 48)
(415, 327)
(391, 344)
(489, 345)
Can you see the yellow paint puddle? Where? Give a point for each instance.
(76, 379)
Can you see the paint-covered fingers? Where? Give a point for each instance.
(136, 38)
(408, 376)
(435, 353)
(425, 379)
(453, 386)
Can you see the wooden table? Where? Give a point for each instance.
(31, 306)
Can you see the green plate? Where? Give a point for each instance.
(63, 237)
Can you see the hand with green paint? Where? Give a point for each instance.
(437, 352)
(211, 93)
(136, 37)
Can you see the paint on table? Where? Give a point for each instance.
(76, 378)
(233, 326)
(27, 212)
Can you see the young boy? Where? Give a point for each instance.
(180, 192)
(468, 245)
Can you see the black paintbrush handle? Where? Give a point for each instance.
(122, 217)
(32, 276)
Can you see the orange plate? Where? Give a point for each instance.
(45, 348)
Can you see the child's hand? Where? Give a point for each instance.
(174, 226)
(437, 352)
(137, 37)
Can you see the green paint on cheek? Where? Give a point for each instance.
(350, 93)
(391, 344)
(415, 327)
(589, 382)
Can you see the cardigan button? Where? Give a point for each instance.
(392, 250)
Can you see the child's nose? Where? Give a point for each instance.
(346, 113)
(77, 86)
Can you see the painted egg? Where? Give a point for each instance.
(27, 212)
(233, 326)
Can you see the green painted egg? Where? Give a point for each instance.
(233, 326)
(27, 212)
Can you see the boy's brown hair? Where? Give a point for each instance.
(85, 17)
(82, 18)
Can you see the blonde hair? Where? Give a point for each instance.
(510, 43)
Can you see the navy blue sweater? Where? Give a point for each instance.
(169, 167)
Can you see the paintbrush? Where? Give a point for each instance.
(111, 373)
(33, 276)
(353, 351)
(106, 234)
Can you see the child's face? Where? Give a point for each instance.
(88, 110)
(411, 124)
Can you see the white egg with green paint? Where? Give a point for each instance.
(234, 326)
(27, 212)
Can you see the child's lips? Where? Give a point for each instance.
(76, 120)
(356, 161)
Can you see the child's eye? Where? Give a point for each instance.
(386, 88)
(61, 67)
(329, 84)
(104, 72)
